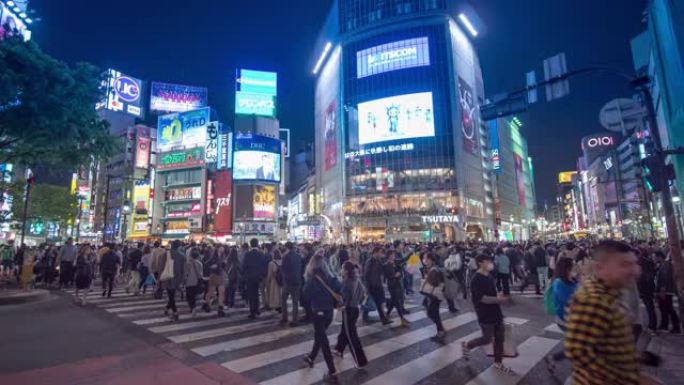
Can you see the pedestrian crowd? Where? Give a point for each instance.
(592, 288)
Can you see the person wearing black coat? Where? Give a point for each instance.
(372, 276)
(322, 290)
(646, 287)
(666, 289)
(291, 278)
(393, 276)
(253, 272)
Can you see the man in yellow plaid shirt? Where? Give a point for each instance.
(599, 340)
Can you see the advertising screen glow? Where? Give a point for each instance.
(256, 165)
(247, 103)
(393, 56)
(176, 98)
(397, 117)
(187, 129)
(124, 93)
(258, 82)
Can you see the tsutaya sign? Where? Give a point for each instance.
(440, 219)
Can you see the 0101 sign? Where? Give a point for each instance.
(603, 141)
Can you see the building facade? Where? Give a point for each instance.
(401, 152)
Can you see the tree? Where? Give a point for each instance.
(48, 202)
(47, 109)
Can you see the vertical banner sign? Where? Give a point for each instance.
(520, 178)
(139, 219)
(142, 151)
(330, 124)
(211, 145)
(495, 152)
(223, 196)
(225, 148)
(469, 124)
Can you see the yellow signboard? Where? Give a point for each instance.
(566, 177)
(140, 211)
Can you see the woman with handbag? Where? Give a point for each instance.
(352, 294)
(193, 281)
(322, 291)
(432, 288)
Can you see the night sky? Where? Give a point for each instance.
(202, 42)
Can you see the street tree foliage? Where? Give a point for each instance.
(47, 109)
(47, 202)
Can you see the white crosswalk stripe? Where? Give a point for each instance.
(260, 348)
(259, 360)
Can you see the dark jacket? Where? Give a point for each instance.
(134, 258)
(254, 266)
(109, 262)
(646, 282)
(372, 272)
(319, 297)
(664, 280)
(178, 256)
(291, 269)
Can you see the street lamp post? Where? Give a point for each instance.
(125, 210)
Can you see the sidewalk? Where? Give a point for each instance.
(670, 347)
(54, 342)
(150, 366)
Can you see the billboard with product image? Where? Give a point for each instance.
(183, 129)
(169, 97)
(396, 117)
(255, 202)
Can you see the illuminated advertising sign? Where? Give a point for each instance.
(211, 146)
(256, 93)
(187, 129)
(183, 210)
(596, 145)
(141, 207)
(142, 147)
(225, 146)
(181, 159)
(168, 97)
(257, 158)
(177, 227)
(255, 202)
(223, 193)
(495, 150)
(566, 177)
(124, 93)
(469, 124)
(11, 24)
(330, 136)
(397, 117)
(393, 56)
(185, 193)
(247, 103)
(256, 165)
(257, 82)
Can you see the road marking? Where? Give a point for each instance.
(189, 325)
(533, 350)
(375, 351)
(273, 356)
(427, 364)
(225, 331)
(553, 328)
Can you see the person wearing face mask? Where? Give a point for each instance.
(488, 309)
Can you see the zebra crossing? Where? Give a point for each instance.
(270, 354)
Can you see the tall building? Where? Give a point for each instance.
(659, 53)
(514, 197)
(401, 152)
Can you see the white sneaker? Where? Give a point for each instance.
(194, 312)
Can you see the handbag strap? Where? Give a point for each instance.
(325, 285)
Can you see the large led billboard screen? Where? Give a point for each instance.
(182, 129)
(168, 97)
(393, 56)
(256, 165)
(248, 103)
(258, 82)
(255, 202)
(397, 117)
(124, 93)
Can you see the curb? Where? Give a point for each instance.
(15, 297)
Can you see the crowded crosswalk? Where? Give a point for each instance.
(268, 353)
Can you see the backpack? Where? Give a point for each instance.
(278, 274)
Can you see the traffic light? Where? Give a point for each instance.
(654, 174)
